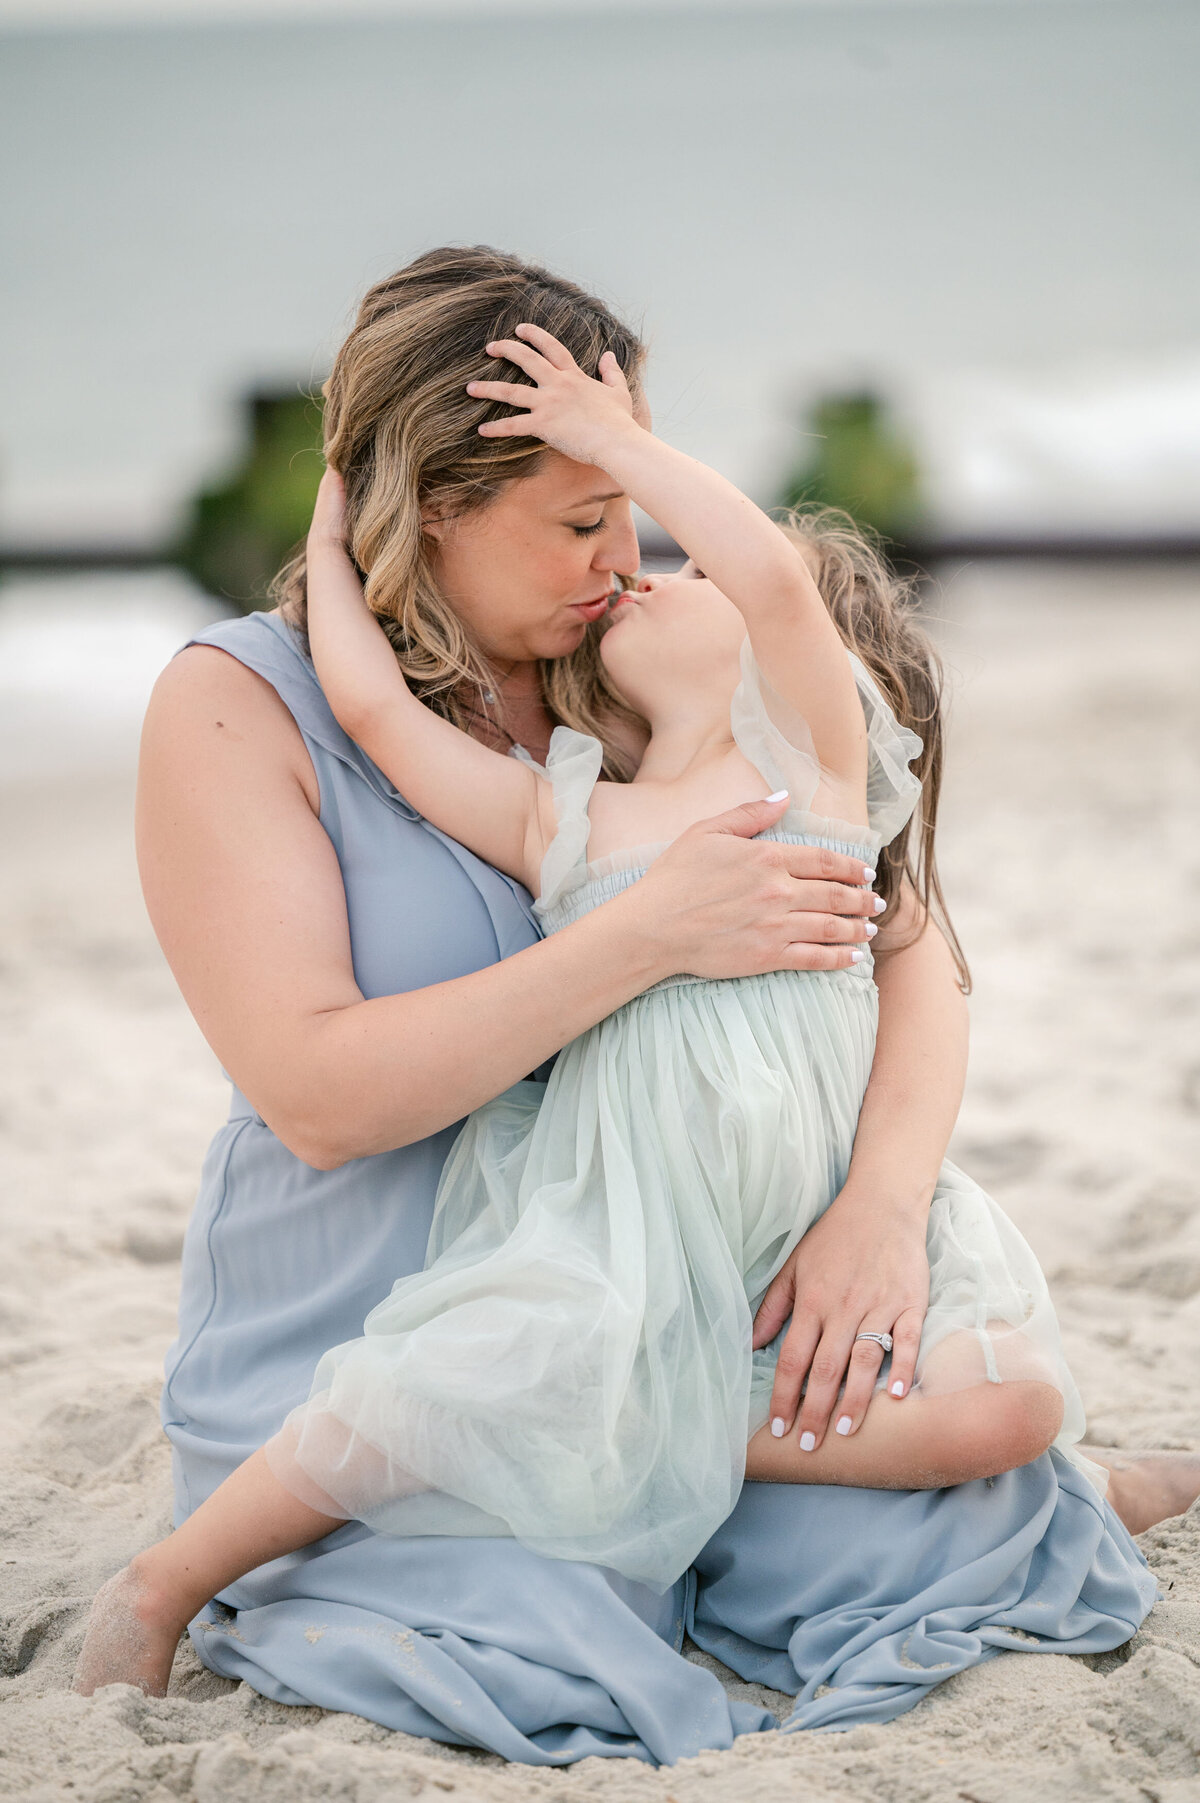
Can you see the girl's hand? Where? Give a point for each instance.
(355, 665)
(327, 532)
(567, 410)
(718, 903)
(862, 1266)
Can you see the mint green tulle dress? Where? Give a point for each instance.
(573, 1367)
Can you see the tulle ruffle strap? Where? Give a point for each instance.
(773, 736)
(776, 739)
(572, 766)
(893, 790)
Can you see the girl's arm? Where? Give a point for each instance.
(795, 641)
(490, 803)
(864, 1263)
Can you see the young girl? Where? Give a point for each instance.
(574, 1365)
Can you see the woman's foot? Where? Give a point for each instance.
(1145, 1488)
(132, 1634)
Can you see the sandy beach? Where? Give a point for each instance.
(1070, 858)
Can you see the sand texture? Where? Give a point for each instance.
(1071, 861)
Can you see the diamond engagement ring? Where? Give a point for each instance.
(884, 1339)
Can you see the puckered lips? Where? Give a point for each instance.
(627, 595)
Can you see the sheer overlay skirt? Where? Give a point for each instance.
(573, 1366)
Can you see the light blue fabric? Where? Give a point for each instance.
(480, 1642)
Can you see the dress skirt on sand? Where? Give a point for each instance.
(573, 1366)
(855, 1602)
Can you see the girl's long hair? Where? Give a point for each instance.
(400, 429)
(877, 615)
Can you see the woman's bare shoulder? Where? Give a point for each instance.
(208, 710)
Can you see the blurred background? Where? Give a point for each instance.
(934, 260)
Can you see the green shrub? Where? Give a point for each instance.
(861, 462)
(238, 532)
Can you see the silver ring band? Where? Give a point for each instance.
(884, 1339)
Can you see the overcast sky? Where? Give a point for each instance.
(55, 14)
(984, 207)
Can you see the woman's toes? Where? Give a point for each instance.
(130, 1638)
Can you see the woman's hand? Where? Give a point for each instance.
(567, 410)
(719, 903)
(861, 1267)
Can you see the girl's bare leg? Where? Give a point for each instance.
(921, 1442)
(140, 1614)
(954, 1426)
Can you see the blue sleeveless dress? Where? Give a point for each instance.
(856, 1601)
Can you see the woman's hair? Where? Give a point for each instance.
(401, 431)
(876, 612)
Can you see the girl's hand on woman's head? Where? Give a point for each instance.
(566, 409)
(719, 903)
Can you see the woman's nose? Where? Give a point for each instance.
(621, 552)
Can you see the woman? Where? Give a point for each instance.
(367, 982)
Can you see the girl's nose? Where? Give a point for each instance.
(644, 585)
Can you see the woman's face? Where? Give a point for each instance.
(528, 573)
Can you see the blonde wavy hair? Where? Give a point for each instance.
(400, 429)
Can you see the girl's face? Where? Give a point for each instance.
(674, 638)
(529, 573)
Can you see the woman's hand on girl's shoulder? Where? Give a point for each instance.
(719, 903)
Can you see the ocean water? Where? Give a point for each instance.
(980, 205)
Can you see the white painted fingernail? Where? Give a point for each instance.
(807, 1442)
(844, 1425)
(779, 795)
(871, 928)
(869, 875)
(777, 1427)
(897, 1388)
(880, 904)
(857, 955)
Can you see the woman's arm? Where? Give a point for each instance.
(494, 805)
(246, 896)
(863, 1263)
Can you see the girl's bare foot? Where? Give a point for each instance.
(1145, 1488)
(132, 1634)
